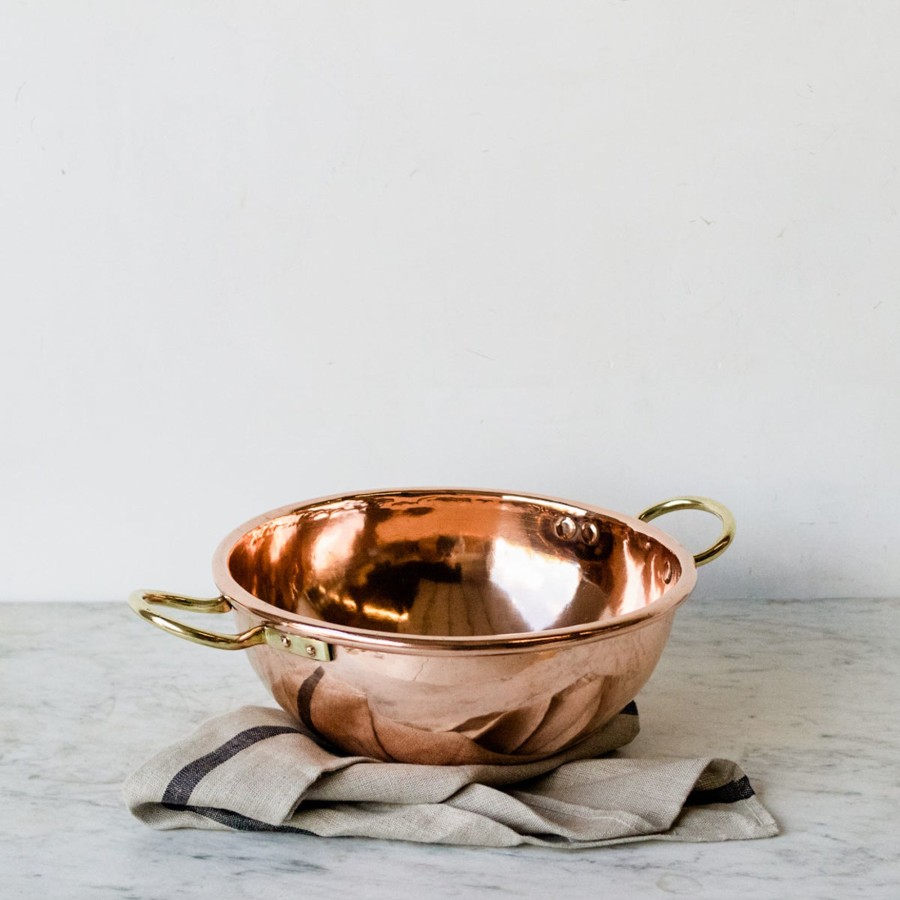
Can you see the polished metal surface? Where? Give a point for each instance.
(704, 504)
(449, 626)
(471, 570)
(147, 603)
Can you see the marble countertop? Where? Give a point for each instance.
(804, 695)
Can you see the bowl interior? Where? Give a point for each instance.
(451, 563)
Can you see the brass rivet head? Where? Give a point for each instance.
(590, 533)
(565, 528)
(310, 650)
(285, 641)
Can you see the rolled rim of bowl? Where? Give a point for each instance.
(365, 638)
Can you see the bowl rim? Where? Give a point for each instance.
(370, 639)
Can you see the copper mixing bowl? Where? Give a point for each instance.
(449, 626)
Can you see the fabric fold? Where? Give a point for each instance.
(257, 769)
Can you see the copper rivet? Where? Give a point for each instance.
(565, 528)
(310, 650)
(285, 641)
(590, 533)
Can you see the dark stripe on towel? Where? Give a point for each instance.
(185, 780)
(235, 820)
(727, 793)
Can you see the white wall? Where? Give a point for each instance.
(254, 252)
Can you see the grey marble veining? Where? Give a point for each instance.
(803, 695)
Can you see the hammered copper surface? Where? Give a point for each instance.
(462, 709)
(448, 626)
(456, 565)
(462, 565)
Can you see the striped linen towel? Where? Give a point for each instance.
(257, 769)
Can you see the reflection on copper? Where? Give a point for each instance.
(450, 564)
(540, 583)
(456, 568)
(461, 626)
(379, 613)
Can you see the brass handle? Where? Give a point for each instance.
(706, 505)
(147, 603)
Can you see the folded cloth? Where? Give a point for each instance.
(257, 769)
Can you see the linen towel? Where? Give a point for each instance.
(257, 769)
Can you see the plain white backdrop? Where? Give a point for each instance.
(252, 253)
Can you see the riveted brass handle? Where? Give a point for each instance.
(706, 505)
(147, 603)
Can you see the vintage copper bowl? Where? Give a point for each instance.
(449, 626)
